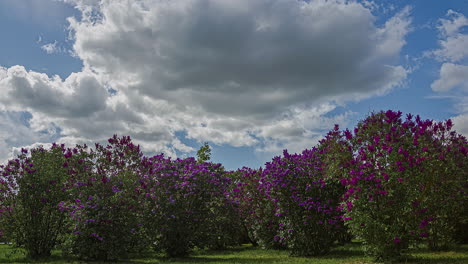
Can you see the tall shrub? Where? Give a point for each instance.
(306, 202)
(256, 209)
(186, 205)
(31, 188)
(336, 154)
(403, 184)
(104, 206)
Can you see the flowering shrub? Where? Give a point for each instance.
(256, 209)
(186, 205)
(336, 153)
(104, 209)
(225, 227)
(404, 183)
(448, 186)
(30, 189)
(305, 202)
(291, 203)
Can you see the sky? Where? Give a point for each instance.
(251, 78)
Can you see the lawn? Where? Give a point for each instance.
(348, 254)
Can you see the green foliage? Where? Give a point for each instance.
(405, 184)
(105, 222)
(31, 189)
(186, 205)
(204, 153)
(257, 212)
(223, 228)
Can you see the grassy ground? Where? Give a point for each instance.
(348, 254)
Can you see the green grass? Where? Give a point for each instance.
(348, 254)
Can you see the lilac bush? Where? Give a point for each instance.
(104, 207)
(291, 203)
(336, 153)
(305, 202)
(256, 209)
(186, 205)
(31, 186)
(404, 184)
(448, 186)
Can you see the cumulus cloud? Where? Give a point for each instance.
(302, 128)
(81, 106)
(79, 95)
(451, 76)
(453, 52)
(243, 57)
(261, 73)
(454, 48)
(461, 124)
(454, 44)
(452, 24)
(15, 132)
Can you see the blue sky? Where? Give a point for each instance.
(250, 77)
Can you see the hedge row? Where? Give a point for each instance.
(392, 182)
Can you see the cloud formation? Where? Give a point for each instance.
(453, 76)
(454, 43)
(15, 131)
(261, 73)
(52, 47)
(79, 95)
(239, 58)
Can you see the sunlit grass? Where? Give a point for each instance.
(347, 254)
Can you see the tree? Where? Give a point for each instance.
(204, 153)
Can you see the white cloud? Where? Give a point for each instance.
(15, 132)
(53, 47)
(210, 54)
(454, 48)
(452, 25)
(81, 107)
(453, 77)
(461, 124)
(50, 47)
(392, 35)
(262, 73)
(454, 44)
(301, 128)
(80, 94)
